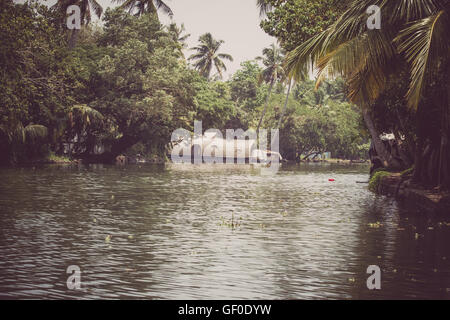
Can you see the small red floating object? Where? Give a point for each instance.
(331, 180)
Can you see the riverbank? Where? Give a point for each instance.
(335, 161)
(155, 159)
(50, 159)
(401, 187)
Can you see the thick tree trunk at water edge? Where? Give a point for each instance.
(386, 158)
(432, 158)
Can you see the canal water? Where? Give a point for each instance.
(214, 232)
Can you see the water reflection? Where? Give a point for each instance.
(299, 236)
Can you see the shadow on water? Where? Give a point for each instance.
(213, 231)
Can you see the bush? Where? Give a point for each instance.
(376, 180)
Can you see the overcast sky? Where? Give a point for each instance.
(234, 21)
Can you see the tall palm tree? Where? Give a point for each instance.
(412, 30)
(208, 56)
(178, 34)
(145, 6)
(272, 59)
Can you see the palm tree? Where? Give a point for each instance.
(145, 6)
(272, 59)
(208, 56)
(178, 35)
(85, 11)
(264, 7)
(415, 31)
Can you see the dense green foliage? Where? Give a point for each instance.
(293, 22)
(127, 86)
(34, 80)
(397, 74)
(317, 121)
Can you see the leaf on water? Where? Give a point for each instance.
(375, 225)
(108, 238)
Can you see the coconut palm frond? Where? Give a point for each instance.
(351, 24)
(310, 51)
(145, 6)
(127, 5)
(407, 10)
(264, 7)
(368, 54)
(423, 43)
(85, 114)
(160, 5)
(347, 47)
(225, 56)
(97, 8)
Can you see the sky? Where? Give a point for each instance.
(234, 21)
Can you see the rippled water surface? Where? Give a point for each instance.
(213, 232)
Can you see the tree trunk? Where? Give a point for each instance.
(418, 161)
(408, 138)
(444, 154)
(285, 105)
(265, 107)
(73, 38)
(387, 160)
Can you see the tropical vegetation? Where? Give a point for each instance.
(411, 47)
(125, 84)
